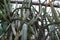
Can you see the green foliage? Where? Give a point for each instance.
(27, 29)
(58, 33)
(53, 36)
(1, 16)
(1, 1)
(1, 30)
(4, 26)
(31, 30)
(54, 14)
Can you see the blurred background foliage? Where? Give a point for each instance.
(26, 21)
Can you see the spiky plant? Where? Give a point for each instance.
(24, 26)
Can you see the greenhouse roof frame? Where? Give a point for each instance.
(34, 3)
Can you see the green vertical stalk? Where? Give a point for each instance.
(24, 31)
